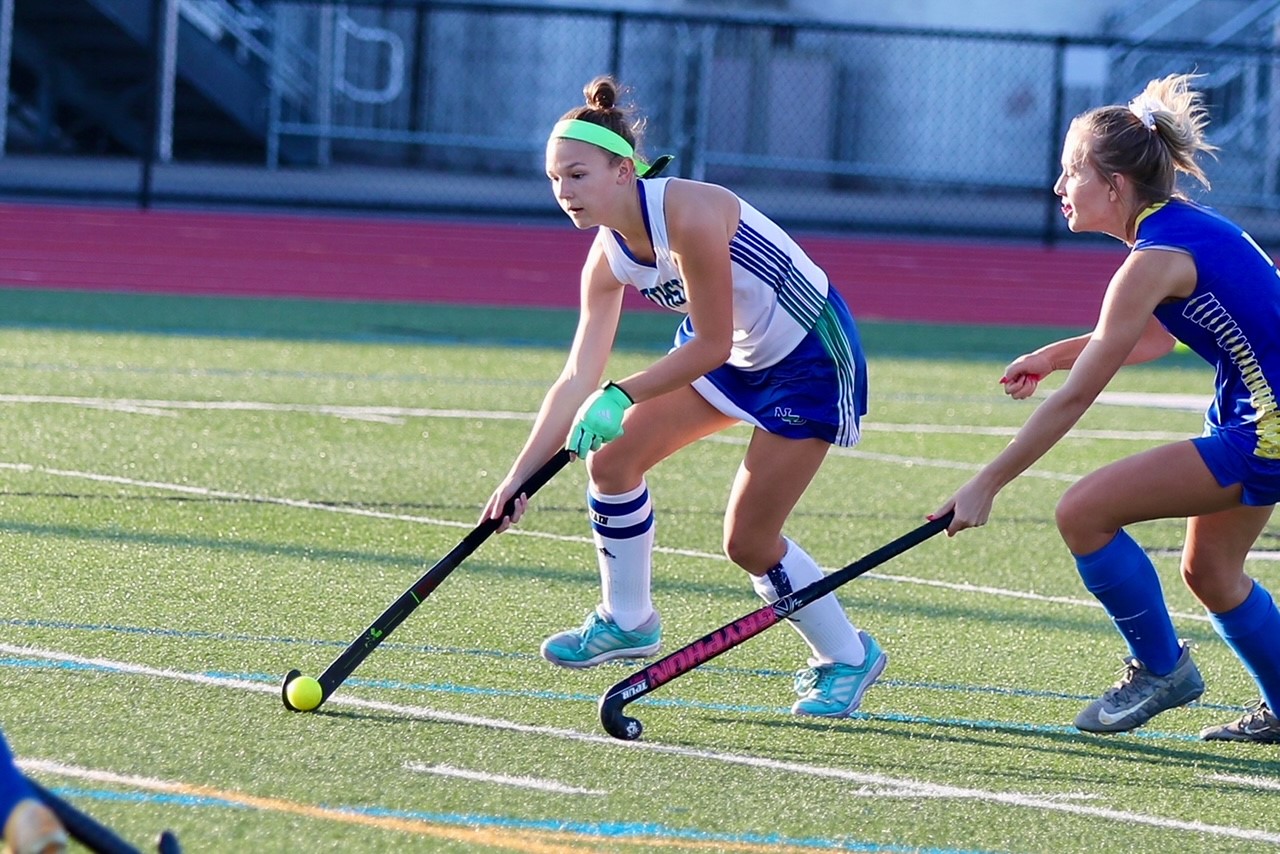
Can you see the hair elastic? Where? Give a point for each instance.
(1144, 107)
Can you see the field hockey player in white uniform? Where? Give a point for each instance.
(766, 341)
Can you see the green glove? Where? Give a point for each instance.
(599, 420)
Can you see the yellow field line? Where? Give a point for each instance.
(530, 841)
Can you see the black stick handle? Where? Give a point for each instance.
(87, 831)
(369, 640)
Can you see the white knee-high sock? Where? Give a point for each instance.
(622, 526)
(823, 624)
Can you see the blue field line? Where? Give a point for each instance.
(474, 691)
(45, 664)
(618, 830)
(604, 831)
(654, 702)
(428, 649)
(149, 797)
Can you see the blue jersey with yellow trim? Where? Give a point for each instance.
(1231, 320)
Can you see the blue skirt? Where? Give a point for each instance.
(818, 391)
(1231, 463)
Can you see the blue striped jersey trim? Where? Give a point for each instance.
(840, 349)
(764, 260)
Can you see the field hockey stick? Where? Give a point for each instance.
(337, 672)
(728, 636)
(90, 833)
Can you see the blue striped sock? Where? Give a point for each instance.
(1124, 580)
(1252, 630)
(823, 624)
(623, 529)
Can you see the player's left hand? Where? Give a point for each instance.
(1024, 374)
(599, 420)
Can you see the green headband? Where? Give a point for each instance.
(614, 143)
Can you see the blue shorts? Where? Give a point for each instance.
(818, 391)
(1229, 463)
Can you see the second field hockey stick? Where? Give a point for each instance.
(728, 636)
(337, 672)
(93, 835)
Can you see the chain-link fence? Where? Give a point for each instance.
(441, 107)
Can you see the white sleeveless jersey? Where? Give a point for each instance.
(778, 292)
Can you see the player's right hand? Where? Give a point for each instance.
(498, 501)
(971, 505)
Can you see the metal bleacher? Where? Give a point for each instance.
(84, 70)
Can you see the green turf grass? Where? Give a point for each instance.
(188, 516)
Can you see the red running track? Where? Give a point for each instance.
(348, 258)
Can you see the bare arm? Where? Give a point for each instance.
(1024, 373)
(701, 219)
(1141, 283)
(600, 310)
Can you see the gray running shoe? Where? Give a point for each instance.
(1139, 695)
(1258, 725)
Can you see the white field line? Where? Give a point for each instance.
(28, 468)
(539, 842)
(917, 794)
(899, 459)
(1252, 782)
(961, 587)
(1156, 400)
(856, 778)
(398, 414)
(1252, 555)
(501, 779)
(1077, 433)
(387, 414)
(235, 496)
(58, 769)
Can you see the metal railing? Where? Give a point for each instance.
(441, 105)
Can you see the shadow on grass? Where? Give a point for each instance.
(1139, 749)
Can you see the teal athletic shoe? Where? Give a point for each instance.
(1139, 695)
(599, 639)
(835, 690)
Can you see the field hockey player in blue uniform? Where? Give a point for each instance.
(30, 827)
(765, 340)
(1191, 276)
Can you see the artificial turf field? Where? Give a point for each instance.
(200, 494)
